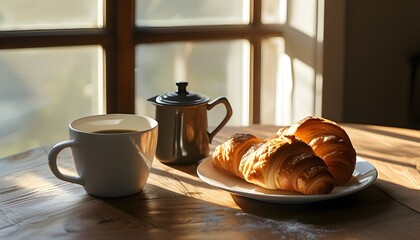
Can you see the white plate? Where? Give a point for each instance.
(363, 176)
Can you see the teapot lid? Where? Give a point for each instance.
(181, 97)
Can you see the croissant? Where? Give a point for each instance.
(330, 142)
(284, 163)
(227, 156)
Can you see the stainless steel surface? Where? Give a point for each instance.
(183, 127)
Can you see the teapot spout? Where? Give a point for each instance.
(153, 99)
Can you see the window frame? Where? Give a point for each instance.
(120, 35)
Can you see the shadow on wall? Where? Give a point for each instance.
(379, 43)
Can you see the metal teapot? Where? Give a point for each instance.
(183, 136)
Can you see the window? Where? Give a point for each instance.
(62, 59)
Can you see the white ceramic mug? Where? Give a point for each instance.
(109, 164)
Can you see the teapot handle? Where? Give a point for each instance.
(224, 101)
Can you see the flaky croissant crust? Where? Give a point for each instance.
(227, 156)
(277, 163)
(330, 142)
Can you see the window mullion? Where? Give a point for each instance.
(256, 11)
(52, 38)
(255, 81)
(110, 57)
(125, 56)
(255, 74)
(204, 33)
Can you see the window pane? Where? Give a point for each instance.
(42, 90)
(276, 83)
(292, 83)
(274, 11)
(303, 89)
(303, 16)
(49, 14)
(191, 12)
(213, 69)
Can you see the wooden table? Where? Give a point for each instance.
(176, 204)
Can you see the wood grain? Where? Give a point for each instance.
(175, 203)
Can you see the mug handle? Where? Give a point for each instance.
(52, 162)
(224, 101)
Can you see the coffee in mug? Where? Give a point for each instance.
(112, 153)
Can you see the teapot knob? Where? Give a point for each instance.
(182, 87)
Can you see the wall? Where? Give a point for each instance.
(379, 38)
